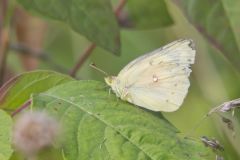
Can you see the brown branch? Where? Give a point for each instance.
(3, 55)
(4, 7)
(24, 106)
(84, 56)
(120, 7)
(82, 59)
(29, 30)
(3, 39)
(2, 15)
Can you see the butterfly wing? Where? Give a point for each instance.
(159, 80)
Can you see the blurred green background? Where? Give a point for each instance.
(214, 80)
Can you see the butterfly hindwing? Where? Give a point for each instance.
(159, 80)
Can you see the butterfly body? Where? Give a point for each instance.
(157, 80)
(118, 87)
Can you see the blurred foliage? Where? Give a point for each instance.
(213, 25)
(5, 135)
(97, 19)
(212, 20)
(149, 14)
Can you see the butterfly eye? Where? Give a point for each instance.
(109, 80)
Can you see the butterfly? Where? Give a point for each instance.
(158, 80)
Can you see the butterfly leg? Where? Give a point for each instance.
(127, 97)
(233, 112)
(109, 91)
(102, 143)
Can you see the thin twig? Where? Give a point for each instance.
(42, 55)
(24, 106)
(84, 56)
(82, 59)
(120, 7)
(25, 50)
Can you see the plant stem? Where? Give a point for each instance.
(3, 55)
(39, 54)
(82, 59)
(120, 7)
(84, 56)
(24, 106)
(3, 40)
(3, 8)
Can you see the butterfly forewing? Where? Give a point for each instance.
(159, 80)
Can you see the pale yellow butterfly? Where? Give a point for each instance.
(157, 80)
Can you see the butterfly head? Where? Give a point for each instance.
(110, 80)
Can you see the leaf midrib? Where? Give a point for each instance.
(106, 123)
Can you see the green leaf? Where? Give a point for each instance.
(99, 126)
(233, 12)
(92, 18)
(149, 14)
(214, 22)
(5, 136)
(18, 89)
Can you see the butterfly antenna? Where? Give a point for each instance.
(98, 69)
